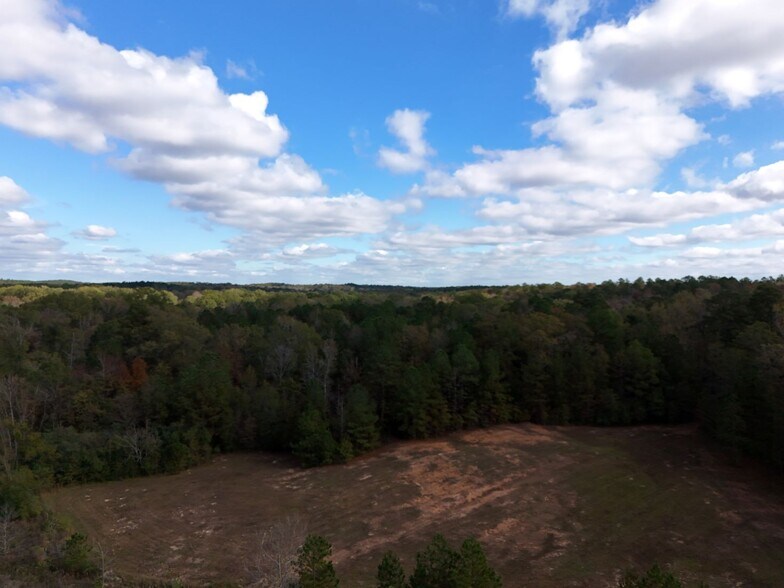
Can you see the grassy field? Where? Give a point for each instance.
(554, 507)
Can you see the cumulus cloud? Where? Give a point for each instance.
(213, 262)
(619, 142)
(604, 212)
(281, 200)
(744, 159)
(76, 89)
(733, 49)
(26, 246)
(409, 128)
(546, 211)
(765, 183)
(311, 250)
(693, 179)
(619, 95)
(620, 99)
(665, 240)
(562, 15)
(11, 193)
(219, 154)
(753, 227)
(622, 104)
(96, 233)
(22, 236)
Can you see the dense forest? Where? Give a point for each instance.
(104, 382)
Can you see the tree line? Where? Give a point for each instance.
(105, 382)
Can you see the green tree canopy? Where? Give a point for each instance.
(436, 566)
(313, 565)
(390, 572)
(473, 571)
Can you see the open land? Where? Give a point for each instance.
(553, 506)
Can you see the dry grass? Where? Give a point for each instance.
(553, 506)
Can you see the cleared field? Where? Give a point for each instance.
(554, 506)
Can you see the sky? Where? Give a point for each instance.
(413, 142)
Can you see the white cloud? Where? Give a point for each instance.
(777, 146)
(619, 98)
(765, 183)
(76, 89)
(409, 128)
(545, 211)
(733, 48)
(11, 194)
(665, 240)
(241, 71)
(562, 15)
(216, 153)
(434, 239)
(604, 212)
(208, 265)
(586, 153)
(188, 259)
(693, 179)
(622, 102)
(744, 159)
(753, 227)
(585, 149)
(25, 244)
(619, 94)
(96, 233)
(310, 250)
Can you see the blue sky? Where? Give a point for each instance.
(439, 142)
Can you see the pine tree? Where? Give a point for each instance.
(436, 566)
(314, 444)
(473, 571)
(390, 572)
(362, 422)
(313, 565)
(653, 578)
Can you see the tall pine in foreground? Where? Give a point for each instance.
(313, 564)
(390, 572)
(473, 571)
(436, 566)
(653, 578)
(440, 566)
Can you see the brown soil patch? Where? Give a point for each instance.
(553, 506)
(513, 435)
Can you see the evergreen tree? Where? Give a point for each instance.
(314, 443)
(436, 566)
(653, 578)
(361, 421)
(313, 566)
(77, 555)
(390, 572)
(473, 571)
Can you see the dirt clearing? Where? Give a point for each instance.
(554, 506)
